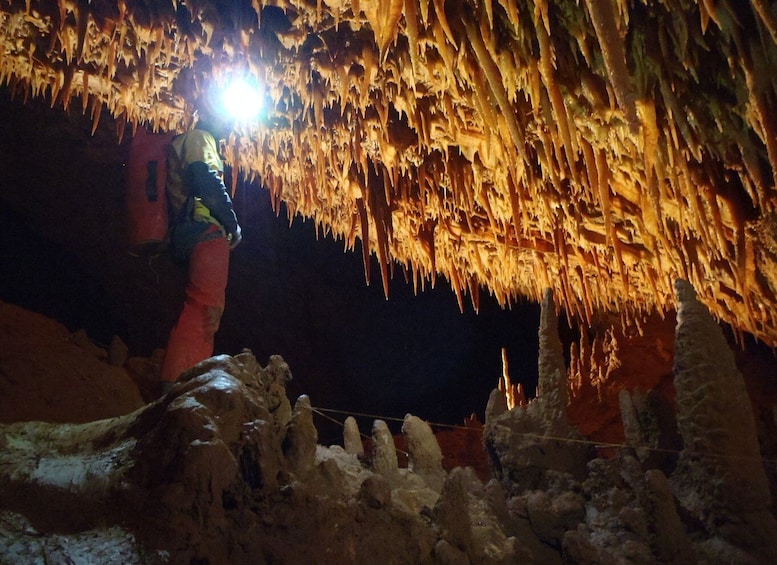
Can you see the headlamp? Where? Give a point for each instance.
(241, 99)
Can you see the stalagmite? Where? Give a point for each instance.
(425, 456)
(525, 443)
(451, 511)
(497, 404)
(352, 440)
(513, 393)
(301, 438)
(201, 474)
(640, 422)
(552, 372)
(384, 454)
(720, 476)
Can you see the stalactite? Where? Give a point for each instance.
(497, 121)
(474, 293)
(568, 145)
(84, 91)
(411, 26)
(63, 97)
(614, 54)
(383, 252)
(443, 47)
(439, 10)
(120, 127)
(457, 288)
(762, 108)
(511, 9)
(56, 87)
(82, 22)
(766, 16)
(494, 78)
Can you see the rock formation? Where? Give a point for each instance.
(40, 358)
(600, 148)
(612, 358)
(224, 470)
(528, 440)
(642, 505)
(603, 149)
(720, 477)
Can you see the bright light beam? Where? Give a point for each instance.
(242, 100)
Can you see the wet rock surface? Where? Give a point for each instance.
(226, 469)
(720, 478)
(223, 470)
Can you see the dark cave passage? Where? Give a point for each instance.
(289, 293)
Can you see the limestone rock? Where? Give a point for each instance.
(550, 516)
(425, 456)
(45, 375)
(552, 382)
(447, 554)
(621, 523)
(222, 470)
(670, 542)
(720, 476)
(375, 491)
(301, 439)
(118, 352)
(384, 455)
(496, 406)
(201, 476)
(451, 511)
(541, 148)
(639, 423)
(650, 427)
(525, 442)
(352, 440)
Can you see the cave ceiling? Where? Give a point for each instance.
(602, 148)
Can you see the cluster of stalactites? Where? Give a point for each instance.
(568, 146)
(104, 56)
(602, 149)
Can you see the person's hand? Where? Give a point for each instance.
(235, 238)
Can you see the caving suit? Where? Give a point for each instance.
(204, 224)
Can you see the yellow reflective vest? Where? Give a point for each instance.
(191, 147)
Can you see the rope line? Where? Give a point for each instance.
(598, 444)
(320, 412)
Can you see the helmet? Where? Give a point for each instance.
(211, 112)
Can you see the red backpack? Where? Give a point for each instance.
(146, 196)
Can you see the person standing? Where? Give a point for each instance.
(204, 230)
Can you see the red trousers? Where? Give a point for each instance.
(191, 340)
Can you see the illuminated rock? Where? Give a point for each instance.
(352, 440)
(528, 441)
(301, 438)
(384, 452)
(221, 469)
(424, 454)
(217, 471)
(720, 476)
(602, 151)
